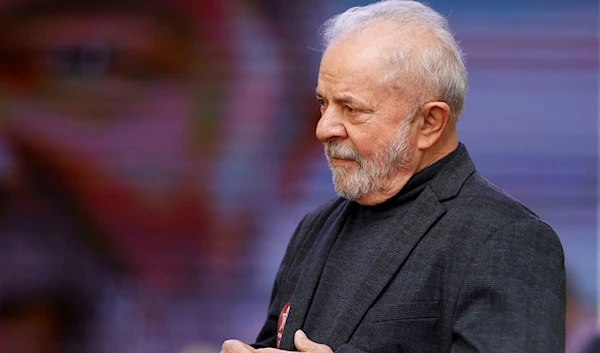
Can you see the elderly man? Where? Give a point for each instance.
(420, 253)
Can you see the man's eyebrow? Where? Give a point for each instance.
(343, 98)
(347, 98)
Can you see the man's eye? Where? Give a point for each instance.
(321, 105)
(350, 109)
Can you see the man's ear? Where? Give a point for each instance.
(436, 116)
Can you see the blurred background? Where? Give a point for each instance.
(156, 156)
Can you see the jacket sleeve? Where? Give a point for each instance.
(268, 334)
(513, 298)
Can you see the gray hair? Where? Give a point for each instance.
(438, 68)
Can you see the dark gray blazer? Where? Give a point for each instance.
(467, 269)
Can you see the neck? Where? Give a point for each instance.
(437, 152)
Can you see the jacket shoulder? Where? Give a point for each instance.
(313, 220)
(482, 210)
(482, 199)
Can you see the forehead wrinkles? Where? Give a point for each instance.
(341, 73)
(349, 85)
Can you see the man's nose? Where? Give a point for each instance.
(331, 125)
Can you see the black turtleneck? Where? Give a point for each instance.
(361, 238)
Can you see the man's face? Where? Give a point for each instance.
(364, 126)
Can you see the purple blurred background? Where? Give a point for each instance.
(155, 157)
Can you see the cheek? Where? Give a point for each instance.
(415, 138)
(367, 142)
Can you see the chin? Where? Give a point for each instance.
(349, 191)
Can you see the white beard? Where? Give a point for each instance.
(372, 174)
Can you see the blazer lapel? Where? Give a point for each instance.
(403, 235)
(311, 273)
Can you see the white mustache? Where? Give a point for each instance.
(341, 152)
